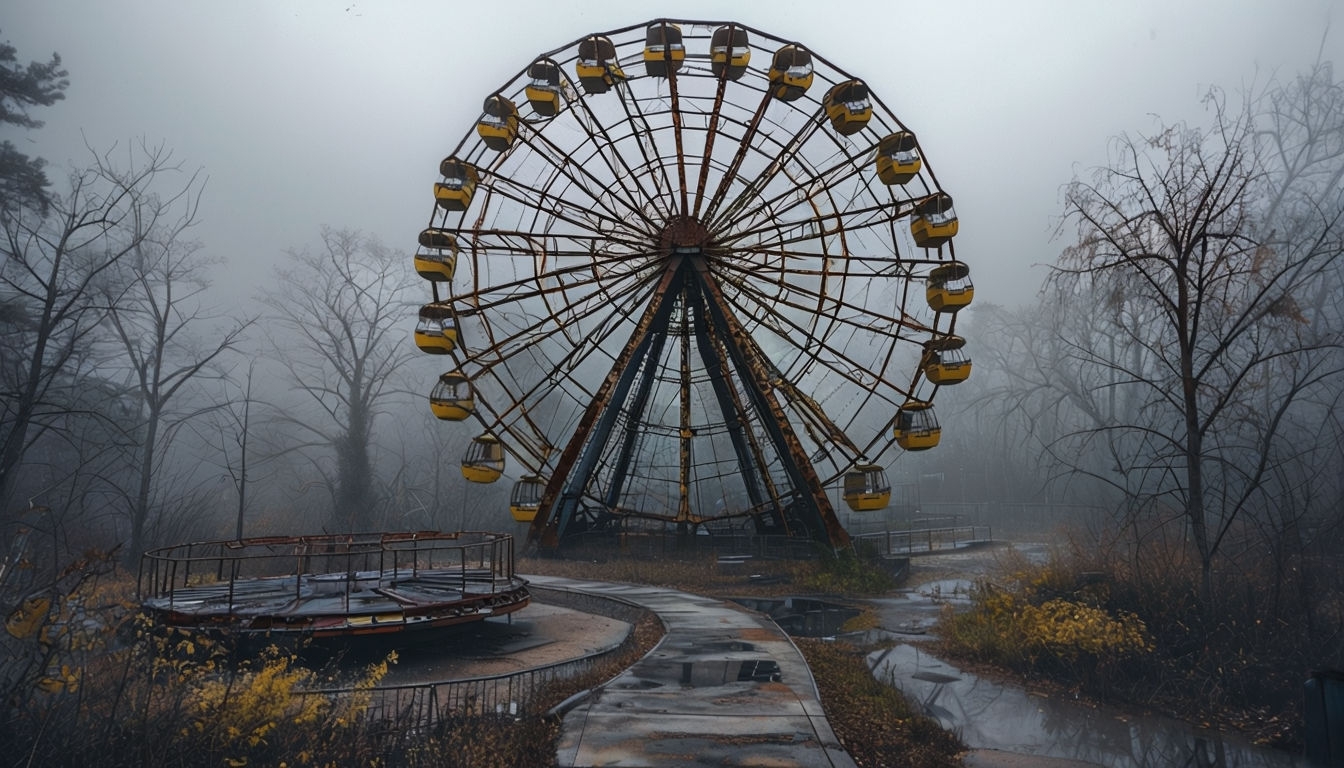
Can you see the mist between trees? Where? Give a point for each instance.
(1179, 375)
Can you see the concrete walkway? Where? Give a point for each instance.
(724, 687)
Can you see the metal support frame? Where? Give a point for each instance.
(729, 353)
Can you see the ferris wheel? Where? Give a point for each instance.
(690, 275)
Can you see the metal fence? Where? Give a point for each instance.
(925, 540)
(1010, 520)
(400, 711)
(481, 558)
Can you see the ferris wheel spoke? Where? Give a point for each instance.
(706, 159)
(677, 139)
(601, 137)
(811, 411)
(563, 282)
(785, 155)
(646, 138)
(831, 223)
(532, 243)
(769, 312)
(752, 131)
(623, 174)
(844, 313)
(745, 272)
(493, 250)
(502, 348)
(833, 306)
(752, 258)
(802, 188)
(587, 276)
(583, 178)
(569, 211)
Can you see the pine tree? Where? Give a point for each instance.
(23, 180)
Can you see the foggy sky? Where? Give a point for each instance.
(305, 114)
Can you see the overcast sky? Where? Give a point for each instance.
(310, 113)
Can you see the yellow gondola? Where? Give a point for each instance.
(945, 361)
(664, 50)
(437, 259)
(484, 460)
(935, 221)
(898, 158)
(948, 287)
(790, 73)
(848, 107)
(452, 398)
(436, 332)
(544, 87)
(916, 426)
(458, 185)
(729, 52)
(597, 67)
(498, 126)
(866, 488)
(525, 499)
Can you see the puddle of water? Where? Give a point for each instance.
(956, 591)
(915, 611)
(990, 716)
(712, 673)
(802, 616)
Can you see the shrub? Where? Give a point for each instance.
(1029, 630)
(1126, 621)
(262, 712)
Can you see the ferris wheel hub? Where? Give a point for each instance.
(683, 233)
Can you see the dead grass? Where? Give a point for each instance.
(705, 574)
(872, 720)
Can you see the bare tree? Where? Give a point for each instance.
(241, 418)
(1020, 400)
(54, 262)
(1199, 320)
(338, 319)
(1302, 140)
(159, 320)
(231, 433)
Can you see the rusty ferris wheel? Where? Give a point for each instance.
(690, 276)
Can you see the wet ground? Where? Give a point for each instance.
(534, 636)
(1010, 726)
(720, 676)
(724, 687)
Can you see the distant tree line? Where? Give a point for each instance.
(128, 418)
(1183, 366)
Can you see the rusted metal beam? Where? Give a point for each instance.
(750, 360)
(549, 524)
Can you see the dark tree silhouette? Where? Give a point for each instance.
(338, 324)
(1198, 325)
(58, 261)
(159, 321)
(23, 180)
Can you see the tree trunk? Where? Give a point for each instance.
(140, 506)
